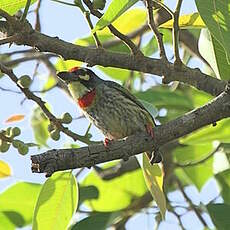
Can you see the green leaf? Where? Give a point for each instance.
(176, 102)
(214, 54)
(153, 175)
(220, 215)
(57, 202)
(130, 21)
(99, 221)
(6, 222)
(210, 133)
(18, 201)
(39, 124)
(223, 179)
(188, 21)
(115, 9)
(124, 189)
(215, 14)
(87, 193)
(150, 108)
(199, 97)
(11, 7)
(5, 170)
(199, 173)
(161, 96)
(116, 73)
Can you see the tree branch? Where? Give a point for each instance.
(176, 30)
(153, 27)
(45, 110)
(113, 30)
(193, 207)
(62, 159)
(105, 58)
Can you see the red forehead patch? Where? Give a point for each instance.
(73, 69)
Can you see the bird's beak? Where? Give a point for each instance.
(67, 77)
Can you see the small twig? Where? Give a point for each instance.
(190, 202)
(9, 39)
(42, 105)
(35, 56)
(190, 164)
(176, 29)
(172, 209)
(79, 172)
(33, 91)
(26, 10)
(87, 17)
(113, 30)
(164, 6)
(19, 52)
(87, 131)
(96, 39)
(37, 16)
(62, 2)
(10, 90)
(153, 27)
(5, 138)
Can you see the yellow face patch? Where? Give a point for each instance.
(77, 90)
(84, 77)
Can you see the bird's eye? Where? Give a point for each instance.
(84, 77)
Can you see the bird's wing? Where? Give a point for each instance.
(127, 94)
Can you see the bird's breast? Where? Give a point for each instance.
(115, 115)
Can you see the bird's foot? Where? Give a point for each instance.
(107, 142)
(149, 128)
(156, 158)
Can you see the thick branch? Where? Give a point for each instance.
(94, 56)
(55, 160)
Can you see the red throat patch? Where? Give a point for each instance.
(73, 69)
(87, 99)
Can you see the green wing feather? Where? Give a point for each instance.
(127, 94)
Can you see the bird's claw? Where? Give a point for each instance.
(149, 128)
(107, 142)
(156, 157)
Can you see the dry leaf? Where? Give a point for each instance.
(15, 118)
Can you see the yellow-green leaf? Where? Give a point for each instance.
(125, 189)
(115, 9)
(153, 175)
(215, 14)
(18, 201)
(5, 170)
(210, 133)
(214, 54)
(57, 202)
(39, 124)
(128, 22)
(188, 21)
(12, 6)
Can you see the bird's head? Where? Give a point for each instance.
(80, 81)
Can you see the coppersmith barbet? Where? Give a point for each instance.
(108, 105)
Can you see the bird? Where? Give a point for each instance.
(109, 106)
